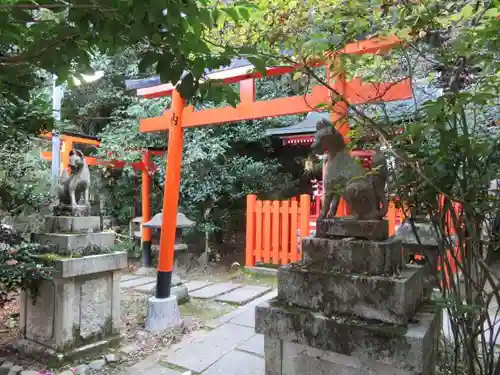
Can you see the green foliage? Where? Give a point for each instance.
(21, 267)
(24, 177)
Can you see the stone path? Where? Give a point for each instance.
(228, 292)
(230, 347)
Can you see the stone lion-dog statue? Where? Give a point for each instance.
(72, 187)
(344, 176)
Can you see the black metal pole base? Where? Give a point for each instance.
(147, 254)
(163, 284)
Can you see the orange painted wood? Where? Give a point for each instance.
(282, 106)
(357, 91)
(172, 183)
(304, 214)
(342, 208)
(373, 45)
(258, 232)
(250, 231)
(64, 137)
(146, 197)
(266, 250)
(247, 91)
(285, 232)
(269, 108)
(275, 209)
(391, 217)
(293, 254)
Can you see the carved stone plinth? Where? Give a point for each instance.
(391, 299)
(67, 235)
(350, 307)
(376, 230)
(76, 313)
(298, 342)
(69, 210)
(353, 255)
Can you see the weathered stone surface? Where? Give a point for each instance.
(388, 299)
(97, 364)
(199, 355)
(304, 360)
(163, 313)
(5, 368)
(137, 282)
(353, 255)
(127, 277)
(75, 314)
(255, 345)
(40, 317)
(214, 290)
(75, 243)
(237, 315)
(30, 372)
(196, 284)
(15, 370)
(407, 348)
(111, 358)
(246, 318)
(236, 362)
(244, 294)
(72, 224)
(82, 370)
(376, 230)
(66, 268)
(95, 312)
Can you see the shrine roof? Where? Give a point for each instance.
(308, 125)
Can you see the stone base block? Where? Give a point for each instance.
(375, 230)
(78, 309)
(163, 313)
(72, 224)
(54, 358)
(299, 342)
(353, 255)
(391, 299)
(75, 243)
(69, 210)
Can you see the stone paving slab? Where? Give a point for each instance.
(152, 370)
(242, 296)
(146, 288)
(237, 363)
(214, 290)
(129, 277)
(234, 314)
(195, 285)
(246, 318)
(255, 345)
(136, 282)
(199, 355)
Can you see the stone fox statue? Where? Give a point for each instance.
(344, 176)
(72, 186)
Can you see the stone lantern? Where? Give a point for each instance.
(155, 225)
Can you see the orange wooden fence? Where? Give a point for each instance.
(272, 230)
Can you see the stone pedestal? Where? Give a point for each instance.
(77, 312)
(349, 307)
(73, 235)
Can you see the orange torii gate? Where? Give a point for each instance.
(180, 117)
